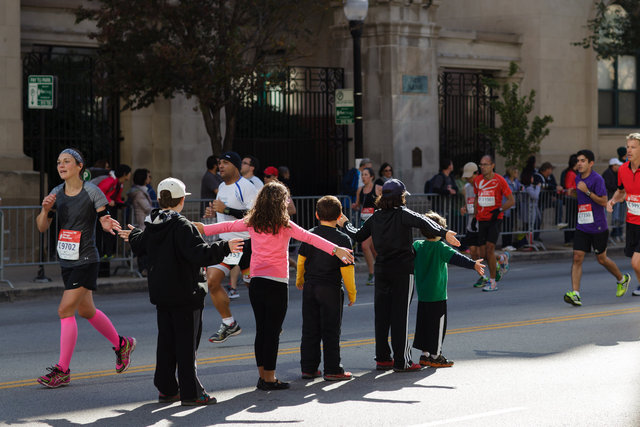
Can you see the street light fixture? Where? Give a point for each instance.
(356, 12)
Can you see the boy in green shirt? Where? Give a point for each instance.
(430, 273)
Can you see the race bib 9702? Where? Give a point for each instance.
(69, 244)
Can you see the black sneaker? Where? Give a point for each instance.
(167, 398)
(224, 332)
(276, 385)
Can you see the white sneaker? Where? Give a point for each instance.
(233, 293)
(636, 292)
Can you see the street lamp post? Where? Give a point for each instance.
(356, 12)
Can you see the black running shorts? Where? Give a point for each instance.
(489, 231)
(632, 239)
(583, 241)
(85, 275)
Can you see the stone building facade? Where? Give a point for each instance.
(402, 41)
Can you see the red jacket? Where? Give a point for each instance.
(112, 188)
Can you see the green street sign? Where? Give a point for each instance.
(345, 111)
(41, 92)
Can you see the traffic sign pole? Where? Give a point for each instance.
(42, 96)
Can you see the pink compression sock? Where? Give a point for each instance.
(103, 325)
(68, 338)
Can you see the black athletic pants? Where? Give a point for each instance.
(269, 300)
(321, 321)
(393, 293)
(179, 332)
(431, 326)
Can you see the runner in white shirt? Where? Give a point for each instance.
(236, 196)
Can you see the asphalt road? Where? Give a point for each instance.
(522, 357)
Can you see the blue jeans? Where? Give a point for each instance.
(618, 218)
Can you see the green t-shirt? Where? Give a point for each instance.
(431, 271)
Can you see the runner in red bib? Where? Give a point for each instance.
(629, 191)
(489, 188)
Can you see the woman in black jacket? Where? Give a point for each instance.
(176, 254)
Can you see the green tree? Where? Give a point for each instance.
(215, 50)
(615, 29)
(516, 139)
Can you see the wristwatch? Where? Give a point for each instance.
(588, 193)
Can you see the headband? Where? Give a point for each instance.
(73, 153)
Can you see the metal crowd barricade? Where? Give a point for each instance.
(20, 240)
(533, 214)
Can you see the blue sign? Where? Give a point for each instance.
(414, 84)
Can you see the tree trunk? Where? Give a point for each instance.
(211, 117)
(230, 131)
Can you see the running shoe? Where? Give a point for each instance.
(344, 376)
(481, 283)
(56, 377)
(224, 332)
(490, 286)
(311, 375)
(203, 400)
(269, 386)
(438, 362)
(623, 285)
(167, 398)
(410, 368)
(498, 271)
(384, 365)
(371, 280)
(572, 298)
(123, 354)
(507, 264)
(233, 293)
(636, 293)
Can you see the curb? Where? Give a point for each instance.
(123, 286)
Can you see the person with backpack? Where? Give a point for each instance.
(352, 180)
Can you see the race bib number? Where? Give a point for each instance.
(232, 258)
(486, 199)
(471, 205)
(69, 244)
(366, 213)
(585, 214)
(633, 204)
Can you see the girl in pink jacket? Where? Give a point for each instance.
(270, 229)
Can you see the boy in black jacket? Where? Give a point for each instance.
(320, 277)
(176, 253)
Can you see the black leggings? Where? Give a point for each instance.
(269, 300)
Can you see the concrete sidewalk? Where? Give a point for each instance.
(24, 287)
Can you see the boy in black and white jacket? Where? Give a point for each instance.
(176, 254)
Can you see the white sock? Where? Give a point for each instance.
(425, 353)
(577, 293)
(228, 321)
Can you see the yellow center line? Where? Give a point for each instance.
(350, 343)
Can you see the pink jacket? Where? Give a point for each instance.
(269, 252)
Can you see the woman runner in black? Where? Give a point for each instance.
(78, 204)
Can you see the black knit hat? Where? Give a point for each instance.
(233, 158)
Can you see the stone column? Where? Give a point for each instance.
(18, 183)
(400, 86)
